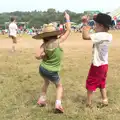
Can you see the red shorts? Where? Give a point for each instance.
(96, 77)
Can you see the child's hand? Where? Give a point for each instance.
(86, 28)
(40, 52)
(43, 55)
(67, 17)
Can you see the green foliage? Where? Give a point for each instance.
(38, 18)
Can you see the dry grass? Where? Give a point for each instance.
(20, 82)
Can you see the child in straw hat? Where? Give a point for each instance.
(99, 67)
(51, 54)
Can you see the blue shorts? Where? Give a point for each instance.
(50, 75)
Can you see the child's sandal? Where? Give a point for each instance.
(104, 103)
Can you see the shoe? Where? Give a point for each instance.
(41, 103)
(59, 109)
(105, 102)
(102, 104)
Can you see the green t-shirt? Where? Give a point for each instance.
(54, 54)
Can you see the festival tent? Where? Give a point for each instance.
(115, 14)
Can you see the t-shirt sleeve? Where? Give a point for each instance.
(98, 37)
(93, 38)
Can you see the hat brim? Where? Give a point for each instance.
(48, 34)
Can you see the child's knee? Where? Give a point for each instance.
(14, 41)
(46, 82)
(59, 85)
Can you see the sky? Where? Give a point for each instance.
(61, 5)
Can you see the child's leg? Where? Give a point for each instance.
(13, 47)
(104, 96)
(59, 95)
(45, 86)
(89, 97)
(14, 43)
(91, 84)
(59, 91)
(42, 99)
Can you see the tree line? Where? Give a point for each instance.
(38, 18)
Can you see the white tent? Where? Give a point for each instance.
(115, 13)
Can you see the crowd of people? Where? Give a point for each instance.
(78, 28)
(115, 24)
(29, 31)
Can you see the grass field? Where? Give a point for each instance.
(20, 82)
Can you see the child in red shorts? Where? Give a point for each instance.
(99, 67)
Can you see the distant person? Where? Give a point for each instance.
(99, 66)
(21, 28)
(13, 32)
(51, 54)
(113, 24)
(85, 20)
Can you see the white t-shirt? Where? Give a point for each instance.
(13, 29)
(101, 42)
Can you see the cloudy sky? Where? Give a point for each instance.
(61, 5)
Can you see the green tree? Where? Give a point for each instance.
(38, 18)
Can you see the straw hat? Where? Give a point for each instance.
(48, 30)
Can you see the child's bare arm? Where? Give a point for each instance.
(40, 52)
(68, 26)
